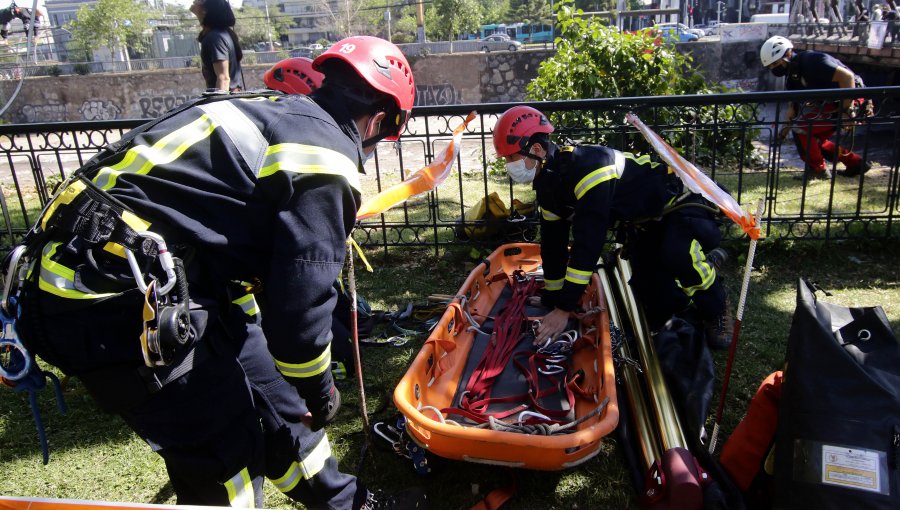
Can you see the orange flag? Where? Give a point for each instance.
(420, 182)
(696, 180)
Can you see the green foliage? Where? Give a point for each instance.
(529, 10)
(597, 61)
(456, 17)
(111, 24)
(252, 27)
(82, 68)
(54, 70)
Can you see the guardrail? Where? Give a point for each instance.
(733, 137)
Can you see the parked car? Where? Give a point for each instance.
(301, 52)
(684, 28)
(316, 47)
(497, 37)
(488, 44)
(675, 34)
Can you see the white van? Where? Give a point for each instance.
(782, 17)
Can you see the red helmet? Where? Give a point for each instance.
(294, 76)
(515, 127)
(382, 65)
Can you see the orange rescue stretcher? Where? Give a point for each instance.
(545, 411)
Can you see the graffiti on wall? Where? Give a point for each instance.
(53, 112)
(99, 109)
(437, 95)
(154, 106)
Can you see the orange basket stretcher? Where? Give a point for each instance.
(430, 390)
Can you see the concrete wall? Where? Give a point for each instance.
(469, 78)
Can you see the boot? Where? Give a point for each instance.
(862, 168)
(717, 258)
(409, 499)
(719, 330)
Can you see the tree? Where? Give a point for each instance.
(495, 11)
(530, 10)
(112, 24)
(251, 25)
(456, 17)
(348, 17)
(593, 60)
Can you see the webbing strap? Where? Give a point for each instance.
(95, 218)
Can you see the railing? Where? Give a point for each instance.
(733, 137)
(842, 33)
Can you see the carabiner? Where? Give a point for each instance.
(550, 369)
(526, 414)
(10, 275)
(9, 340)
(165, 261)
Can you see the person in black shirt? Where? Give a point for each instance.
(813, 124)
(220, 49)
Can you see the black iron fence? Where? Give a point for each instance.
(733, 137)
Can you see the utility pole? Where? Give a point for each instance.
(420, 21)
(387, 17)
(268, 27)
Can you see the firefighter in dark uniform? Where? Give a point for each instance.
(144, 271)
(585, 190)
(814, 123)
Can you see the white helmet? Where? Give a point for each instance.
(774, 49)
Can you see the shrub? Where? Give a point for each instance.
(597, 61)
(82, 68)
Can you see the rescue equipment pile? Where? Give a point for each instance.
(480, 391)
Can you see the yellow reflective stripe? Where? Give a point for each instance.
(65, 197)
(315, 461)
(307, 468)
(308, 369)
(140, 159)
(578, 276)
(594, 178)
(243, 133)
(641, 160)
(549, 216)
(309, 159)
(553, 284)
(240, 490)
(58, 279)
(248, 304)
(707, 272)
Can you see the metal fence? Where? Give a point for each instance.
(733, 137)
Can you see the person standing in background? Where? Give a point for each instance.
(220, 49)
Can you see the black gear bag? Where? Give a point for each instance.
(838, 439)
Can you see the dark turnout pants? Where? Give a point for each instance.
(670, 272)
(221, 427)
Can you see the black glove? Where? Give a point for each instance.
(324, 408)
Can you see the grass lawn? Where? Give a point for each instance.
(94, 456)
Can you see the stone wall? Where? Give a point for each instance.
(469, 78)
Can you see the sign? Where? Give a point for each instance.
(877, 32)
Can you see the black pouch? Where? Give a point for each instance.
(838, 436)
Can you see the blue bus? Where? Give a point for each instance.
(522, 32)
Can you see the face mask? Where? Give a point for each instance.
(779, 71)
(519, 172)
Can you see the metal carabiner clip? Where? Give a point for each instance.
(9, 341)
(165, 261)
(552, 369)
(14, 257)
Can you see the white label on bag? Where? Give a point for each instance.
(851, 468)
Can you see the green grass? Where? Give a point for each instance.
(94, 456)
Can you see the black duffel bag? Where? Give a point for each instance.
(838, 438)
